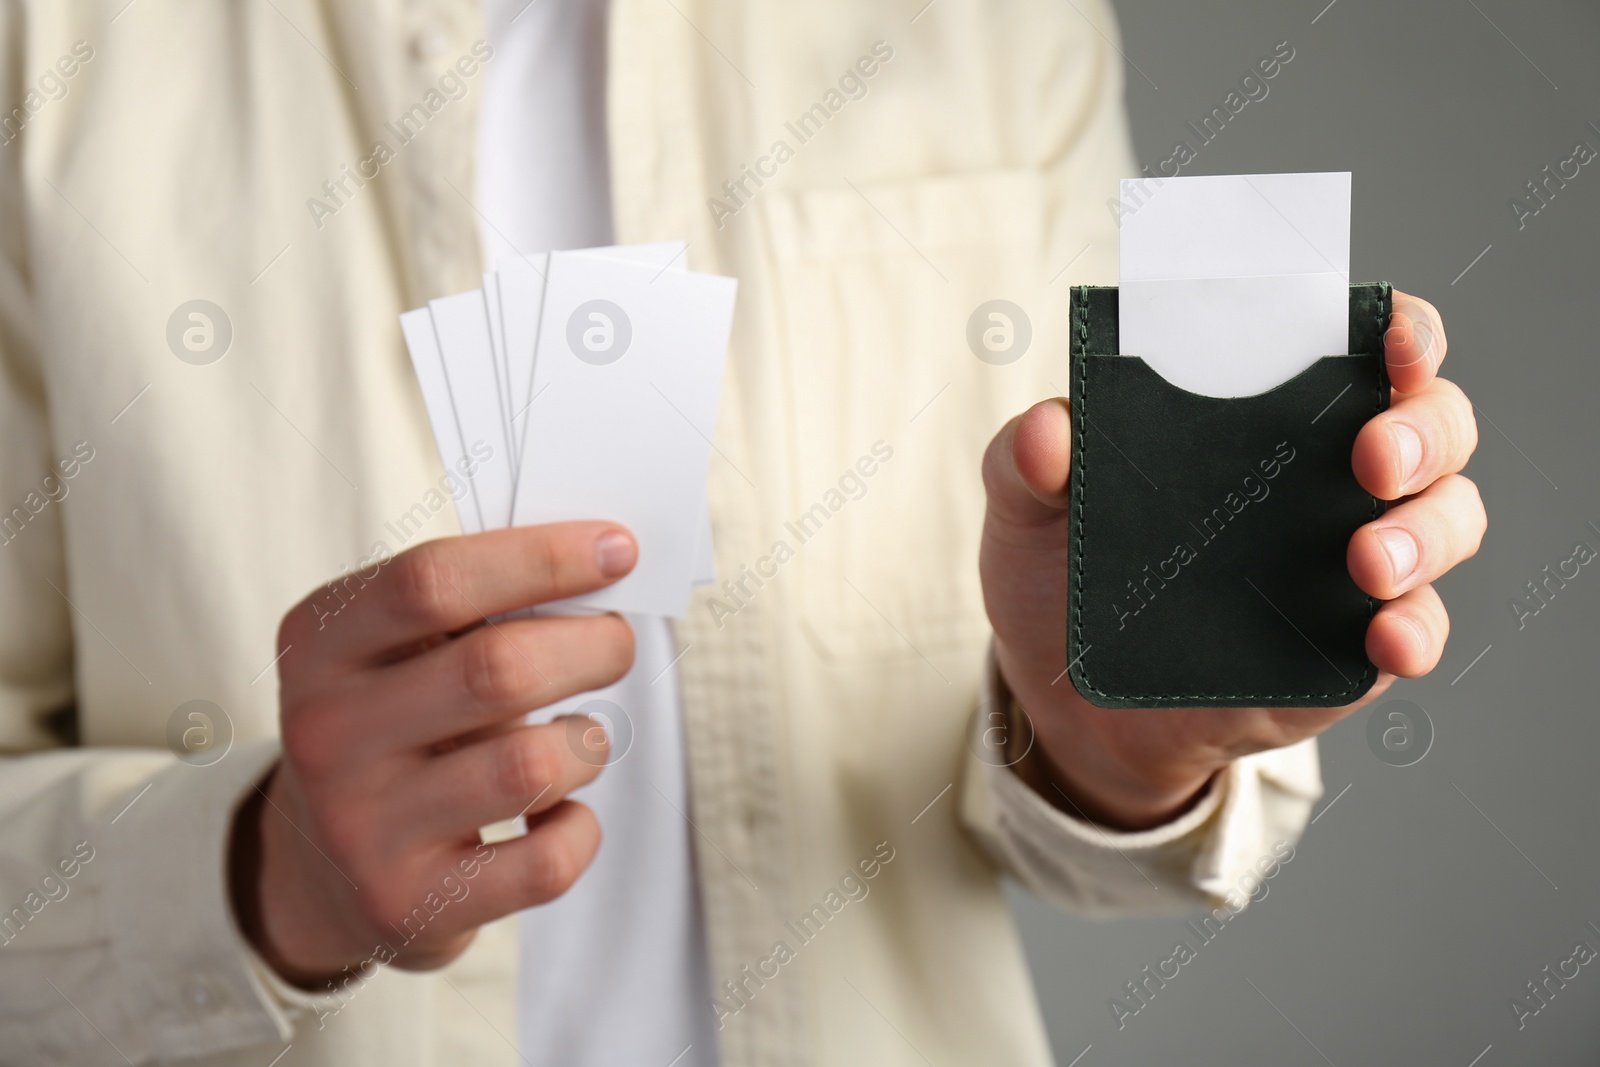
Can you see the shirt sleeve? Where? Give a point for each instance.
(1214, 854)
(117, 939)
(113, 867)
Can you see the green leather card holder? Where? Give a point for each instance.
(1209, 534)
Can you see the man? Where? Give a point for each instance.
(846, 804)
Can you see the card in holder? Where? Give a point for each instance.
(1209, 534)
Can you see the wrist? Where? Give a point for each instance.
(254, 853)
(1117, 801)
(1059, 750)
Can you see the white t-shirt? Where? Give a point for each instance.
(614, 972)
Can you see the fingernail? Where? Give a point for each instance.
(1408, 445)
(1402, 550)
(615, 553)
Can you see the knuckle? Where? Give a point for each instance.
(619, 646)
(525, 767)
(494, 670)
(1463, 491)
(1440, 623)
(384, 904)
(293, 624)
(1453, 395)
(549, 562)
(1468, 422)
(552, 868)
(309, 738)
(997, 457)
(1460, 419)
(1480, 516)
(423, 585)
(1461, 511)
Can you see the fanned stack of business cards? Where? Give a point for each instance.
(584, 385)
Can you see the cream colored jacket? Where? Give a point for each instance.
(160, 516)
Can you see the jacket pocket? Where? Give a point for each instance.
(890, 407)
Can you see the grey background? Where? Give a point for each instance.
(1407, 920)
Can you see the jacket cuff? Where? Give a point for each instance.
(1213, 854)
(192, 984)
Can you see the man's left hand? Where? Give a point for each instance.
(1137, 769)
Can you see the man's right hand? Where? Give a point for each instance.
(403, 735)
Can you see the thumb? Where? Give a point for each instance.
(1026, 467)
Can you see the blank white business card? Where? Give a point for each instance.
(461, 323)
(423, 343)
(628, 374)
(518, 300)
(497, 341)
(1231, 285)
